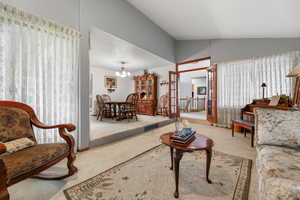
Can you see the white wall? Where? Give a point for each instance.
(185, 88)
(199, 82)
(125, 86)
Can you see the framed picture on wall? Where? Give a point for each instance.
(201, 90)
(110, 82)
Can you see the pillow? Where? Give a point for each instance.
(18, 144)
(278, 127)
(2, 148)
(14, 124)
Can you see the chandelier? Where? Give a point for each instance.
(123, 73)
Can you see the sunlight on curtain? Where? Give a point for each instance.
(39, 67)
(239, 82)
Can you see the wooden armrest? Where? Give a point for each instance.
(69, 127)
(61, 129)
(249, 113)
(3, 182)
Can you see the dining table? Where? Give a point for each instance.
(116, 106)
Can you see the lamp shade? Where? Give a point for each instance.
(263, 85)
(295, 72)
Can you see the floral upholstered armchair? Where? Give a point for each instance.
(16, 122)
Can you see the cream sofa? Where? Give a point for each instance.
(278, 154)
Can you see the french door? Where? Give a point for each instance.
(211, 102)
(173, 95)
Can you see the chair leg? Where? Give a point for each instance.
(232, 133)
(128, 115)
(252, 137)
(245, 134)
(70, 164)
(98, 115)
(101, 115)
(4, 195)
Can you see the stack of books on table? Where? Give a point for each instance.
(183, 136)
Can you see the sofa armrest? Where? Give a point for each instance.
(3, 182)
(277, 127)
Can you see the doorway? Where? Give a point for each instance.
(193, 89)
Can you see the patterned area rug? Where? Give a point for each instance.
(148, 177)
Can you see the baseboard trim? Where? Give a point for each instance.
(83, 149)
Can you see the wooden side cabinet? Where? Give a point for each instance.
(146, 88)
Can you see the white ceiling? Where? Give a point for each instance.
(217, 19)
(107, 51)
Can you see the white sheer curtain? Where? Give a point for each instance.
(239, 82)
(39, 67)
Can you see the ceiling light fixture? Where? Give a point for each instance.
(123, 73)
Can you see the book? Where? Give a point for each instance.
(183, 135)
(187, 141)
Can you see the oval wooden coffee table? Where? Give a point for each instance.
(199, 143)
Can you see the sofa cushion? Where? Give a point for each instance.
(278, 127)
(26, 160)
(278, 171)
(14, 124)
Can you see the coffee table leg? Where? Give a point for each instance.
(208, 161)
(177, 157)
(171, 153)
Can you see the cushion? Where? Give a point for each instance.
(278, 172)
(14, 124)
(18, 144)
(278, 127)
(2, 148)
(247, 123)
(31, 158)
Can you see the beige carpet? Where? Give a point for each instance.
(147, 176)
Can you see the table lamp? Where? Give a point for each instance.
(263, 85)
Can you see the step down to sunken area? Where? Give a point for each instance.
(108, 131)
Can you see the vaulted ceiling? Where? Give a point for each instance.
(218, 19)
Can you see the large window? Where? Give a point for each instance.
(239, 82)
(39, 67)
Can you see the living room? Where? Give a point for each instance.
(45, 68)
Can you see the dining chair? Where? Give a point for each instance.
(106, 98)
(130, 109)
(187, 105)
(163, 107)
(103, 109)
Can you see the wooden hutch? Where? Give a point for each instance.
(146, 87)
